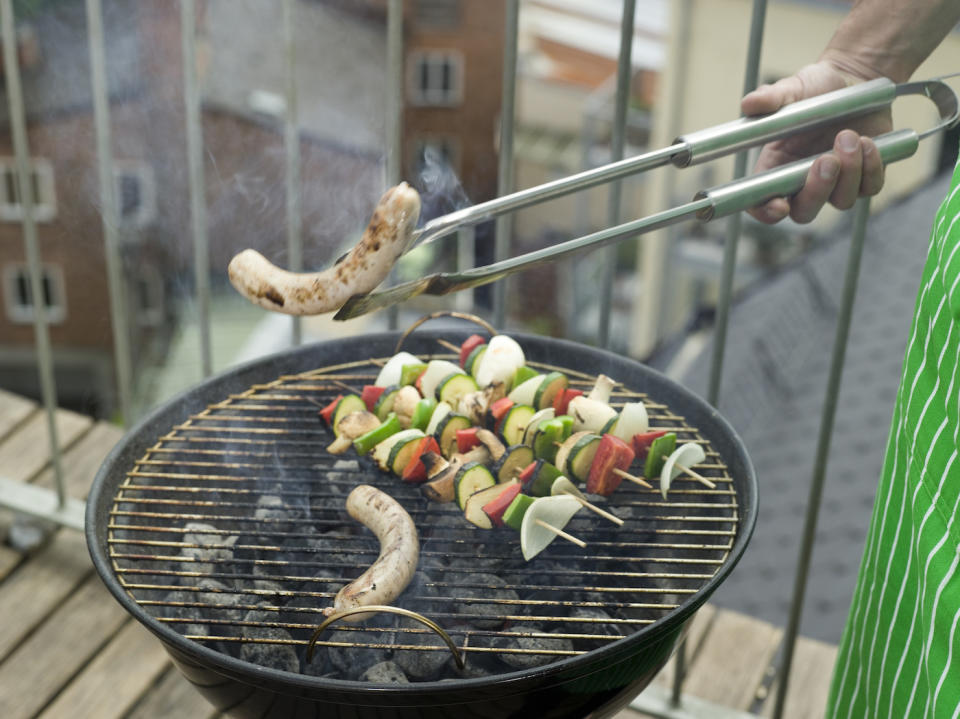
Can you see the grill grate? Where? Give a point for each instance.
(231, 529)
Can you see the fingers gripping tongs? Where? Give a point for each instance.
(687, 150)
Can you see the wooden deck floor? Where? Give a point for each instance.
(67, 649)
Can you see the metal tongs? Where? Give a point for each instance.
(687, 150)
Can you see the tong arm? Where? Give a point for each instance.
(720, 140)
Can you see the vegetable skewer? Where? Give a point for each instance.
(562, 485)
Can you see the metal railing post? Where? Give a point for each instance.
(617, 141)
(109, 215)
(198, 209)
(505, 169)
(862, 213)
(291, 142)
(394, 128)
(757, 21)
(21, 151)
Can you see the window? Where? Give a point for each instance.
(135, 193)
(40, 188)
(17, 296)
(436, 77)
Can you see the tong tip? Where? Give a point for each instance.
(363, 304)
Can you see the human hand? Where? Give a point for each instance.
(853, 169)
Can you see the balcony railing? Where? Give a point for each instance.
(56, 506)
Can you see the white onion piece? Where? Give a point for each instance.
(524, 392)
(436, 372)
(442, 410)
(500, 362)
(390, 372)
(562, 486)
(632, 421)
(555, 511)
(686, 455)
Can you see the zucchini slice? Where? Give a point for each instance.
(552, 385)
(403, 450)
(576, 455)
(455, 386)
(515, 422)
(383, 451)
(436, 372)
(471, 478)
(473, 359)
(512, 462)
(473, 507)
(446, 432)
(350, 403)
(384, 404)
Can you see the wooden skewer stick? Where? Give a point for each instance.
(449, 345)
(378, 362)
(561, 533)
(697, 476)
(636, 480)
(594, 508)
(344, 385)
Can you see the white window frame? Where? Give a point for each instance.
(143, 172)
(21, 313)
(44, 206)
(434, 94)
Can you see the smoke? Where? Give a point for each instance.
(440, 188)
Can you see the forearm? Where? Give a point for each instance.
(890, 38)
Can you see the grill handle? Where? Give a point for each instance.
(373, 608)
(720, 140)
(789, 179)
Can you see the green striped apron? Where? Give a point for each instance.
(900, 652)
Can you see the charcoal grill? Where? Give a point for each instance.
(575, 632)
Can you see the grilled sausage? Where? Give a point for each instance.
(357, 272)
(390, 574)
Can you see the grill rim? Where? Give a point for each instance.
(721, 435)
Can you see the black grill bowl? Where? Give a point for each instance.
(595, 684)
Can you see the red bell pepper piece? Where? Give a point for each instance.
(327, 412)
(498, 410)
(416, 471)
(467, 439)
(498, 505)
(370, 394)
(562, 401)
(641, 442)
(528, 474)
(613, 453)
(468, 346)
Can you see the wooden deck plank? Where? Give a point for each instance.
(173, 697)
(40, 667)
(26, 451)
(84, 458)
(733, 660)
(13, 410)
(41, 585)
(810, 681)
(695, 637)
(115, 679)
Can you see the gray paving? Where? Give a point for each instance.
(774, 385)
